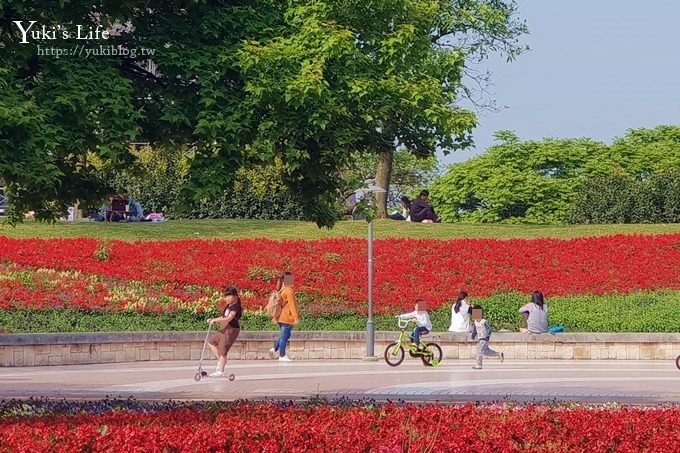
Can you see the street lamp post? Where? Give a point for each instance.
(370, 324)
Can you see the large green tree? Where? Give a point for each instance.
(53, 110)
(56, 110)
(240, 82)
(515, 181)
(644, 152)
(473, 29)
(371, 77)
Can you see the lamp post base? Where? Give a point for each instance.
(370, 334)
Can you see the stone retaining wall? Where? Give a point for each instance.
(84, 348)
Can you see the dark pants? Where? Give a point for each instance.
(280, 344)
(417, 332)
(426, 214)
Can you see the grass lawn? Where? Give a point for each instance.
(282, 229)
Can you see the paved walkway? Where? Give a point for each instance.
(626, 381)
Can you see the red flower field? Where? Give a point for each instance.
(332, 272)
(273, 428)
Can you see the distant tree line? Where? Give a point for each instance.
(634, 180)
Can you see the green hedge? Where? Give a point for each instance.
(640, 312)
(621, 199)
(248, 205)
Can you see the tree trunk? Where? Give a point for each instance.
(382, 179)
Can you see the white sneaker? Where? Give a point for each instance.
(217, 374)
(272, 352)
(285, 358)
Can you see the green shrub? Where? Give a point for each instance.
(603, 199)
(247, 205)
(516, 181)
(640, 312)
(156, 178)
(621, 199)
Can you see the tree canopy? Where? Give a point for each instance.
(54, 110)
(536, 181)
(307, 82)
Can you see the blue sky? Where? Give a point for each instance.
(596, 69)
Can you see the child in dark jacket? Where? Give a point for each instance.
(482, 331)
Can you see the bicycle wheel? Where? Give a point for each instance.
(394, 354)
(433, 355)
(677, 362)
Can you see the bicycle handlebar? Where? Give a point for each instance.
(402, 323)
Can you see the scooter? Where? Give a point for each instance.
(201, 374)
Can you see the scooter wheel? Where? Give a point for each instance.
(197, 377)
(204, 373)
(231, 377)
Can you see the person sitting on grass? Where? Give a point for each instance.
(100, 216)
(422, 211)
(136, 211)
(422, 320)
(405, 213)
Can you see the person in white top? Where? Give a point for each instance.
(536, 314)
(460, 314)
(422, 319)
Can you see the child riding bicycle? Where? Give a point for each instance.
(422, 321)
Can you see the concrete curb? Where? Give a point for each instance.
(266, 335)
(107, 347)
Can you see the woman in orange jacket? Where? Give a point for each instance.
(289, 316)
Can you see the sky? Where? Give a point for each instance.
(596, 68)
